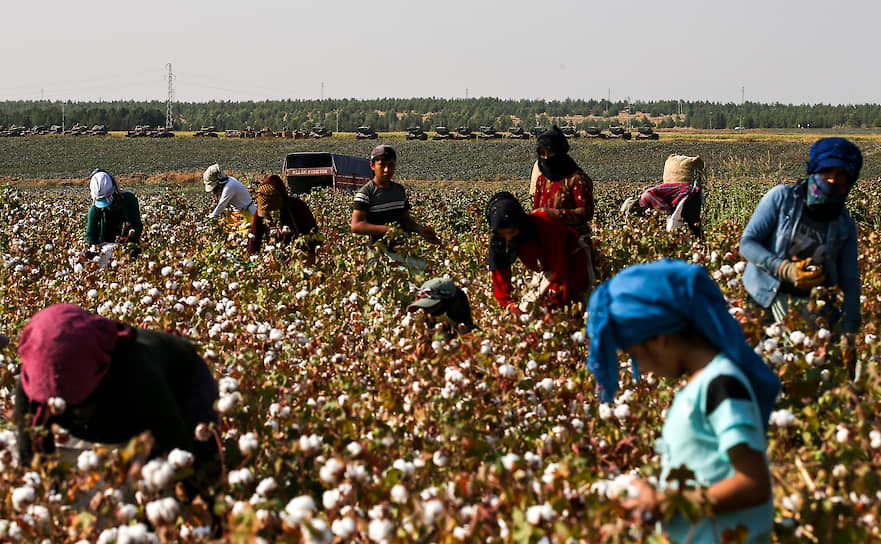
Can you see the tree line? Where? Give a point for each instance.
(397, 114)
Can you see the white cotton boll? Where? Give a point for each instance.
(714, 257)
(157, 474)
(525, 318)
(248, 443)
(87, 461)
(727, 270)
(266, 487)
(147, 300)
(717, 275)
(770, 344)
(126, 512)
(330, 499)
(440, 458)
(381, 531)
(431, 510)
(546, 384)
(839, 471)
(310, 444)
(823, 334)
(227, 384)
(509, 461)
(797, 338)
(507, 371)
(179, 308)
(605, 411)
(354, 449)
(875, 439)
(538, 513)
(405, 467)
(22, 497)
(180, 458)
(399, 494)
(162, 511)
(227, 403)
(301, 294)
(814, 358)
(842, 434)
(622, 411)
(57, 405)
(774, 330)
(776, 358)
(233, 286)
(739, 267)
(343, 528)
(331, 471)
(318, 533)
(166, 271)
(870, 338)
(276, 334)
(92, 293)
(299, 508)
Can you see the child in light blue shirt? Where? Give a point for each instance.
(673, 321)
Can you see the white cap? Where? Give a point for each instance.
(102, 189)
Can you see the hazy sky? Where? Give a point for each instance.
(803, 51)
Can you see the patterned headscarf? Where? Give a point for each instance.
(270, 195)
(665, 297)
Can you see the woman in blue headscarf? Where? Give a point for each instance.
(801, 236)
(673, 321)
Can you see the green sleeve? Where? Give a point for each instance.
(93, 229)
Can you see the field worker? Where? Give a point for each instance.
(543, 243)
(672, 320)
(440, 297)
(107, 382)
(114, 213)
(228, 191)
(562, 189)
(382, 202)
(680, 194)
(801, 236)
(285, 217)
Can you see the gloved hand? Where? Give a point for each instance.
(628, 205)
(801, 273)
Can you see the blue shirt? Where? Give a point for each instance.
(716, 411)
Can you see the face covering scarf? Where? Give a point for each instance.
(557, 167)
(824, 202)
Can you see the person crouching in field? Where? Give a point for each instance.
(286, 218)
(107, 382)
(228, 192)
(543, 243)
(440, 297)
(679, 194)
(382, 202)
(114, 213)
(801, 236)
(673, 321)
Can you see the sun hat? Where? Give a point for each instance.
(213, 176)
(102, 188)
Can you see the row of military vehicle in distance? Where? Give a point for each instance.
(518, 133)
(40, 130)
(316, 132)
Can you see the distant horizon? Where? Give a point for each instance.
(366, 99)
(812, 53)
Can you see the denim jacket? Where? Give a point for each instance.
(768, 236)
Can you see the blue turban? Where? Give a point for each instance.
(836, 153)
(665, 297)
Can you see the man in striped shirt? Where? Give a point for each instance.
(382, 201)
